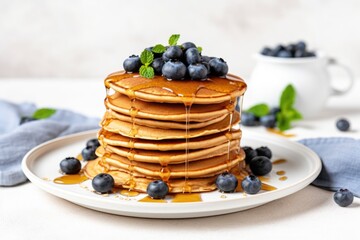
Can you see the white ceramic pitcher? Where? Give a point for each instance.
(309, 76)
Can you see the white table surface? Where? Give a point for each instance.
(26, 212)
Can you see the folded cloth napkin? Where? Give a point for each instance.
(16, 140)
(340, 163)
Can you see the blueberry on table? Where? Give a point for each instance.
(268, 121)
(157, 189)
(70, 165)
(157, 65)
(267, 51)
(197, 71)
(132, 63)
(343, 197)
(88, 153)
(343, 124)
(93, 143)
(249, 119)
(260, 165)
(174, 70)
(103, 183)
(218, 67)
(264, 151)
(251, 184)
(192, 55)
(187, 45)
(226, 182)
(250, 153)
(173, 52)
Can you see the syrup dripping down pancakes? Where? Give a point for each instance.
(182, 132)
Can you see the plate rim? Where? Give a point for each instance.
(229, 205)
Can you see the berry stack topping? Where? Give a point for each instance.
(176, 62)
(157, 189)
(70, 165)
(103, 183)
(292, 50)
(226, 182)
(250, 153)
(88, 153)
(260, 165)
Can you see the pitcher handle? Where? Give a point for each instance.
(332, 62)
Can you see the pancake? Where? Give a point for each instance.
(165, 111)
(159, 89)
(170, 157)
(169, 144)
(176, 185)
(163, 124)
(143, 132)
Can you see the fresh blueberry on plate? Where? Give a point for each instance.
(88, 153)
(226, 182)
(70, 165)
(260, 165)
(157, 189)
(251, 184)
(264, 151)
(93, 143)
(103, 183)
(249, 119)
(268, 121)
(250, 153)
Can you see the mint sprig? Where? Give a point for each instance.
(174, 39)
(43, 113)
(259, 110)
(146, 59)
(158, 48)
(287, 112)
(199, 49)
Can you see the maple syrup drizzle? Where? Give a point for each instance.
(152, 200)
(186, 197)
(79, 157)
(279, 161)
(283, 178)
(231, 108)
(280, 173)
(133, 132)
(281, 133)
(70, 179)
(267, 187)
(128, 193)
(186, 187)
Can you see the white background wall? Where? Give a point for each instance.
(81, 38)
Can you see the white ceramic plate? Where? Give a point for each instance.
(302, 167)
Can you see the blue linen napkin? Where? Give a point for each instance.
(341, 163)
(16, 140)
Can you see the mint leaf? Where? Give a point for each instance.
(199, 49)
(43, 113)
(259, 110)
(287, 98)
(173, 39)
(158, 48)
(146, 57)
(282, 122)
(146, 71)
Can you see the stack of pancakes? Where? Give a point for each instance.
(181, 132)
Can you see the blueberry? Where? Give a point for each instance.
(284, 54)
(277, 49)
(174, 70)
(157, 189)
(173, 53)
(274, 111)
(267, 51)
(93, 143)
(192, 55)
(343, 197)
(70, 165)
(157, 65)
(103, 183)
(156, 55)
(291, 48)
(187, 45)
(264, 151)
(251, 184)
(206, 59)
(301, 45)
(88, 153)
(207, 65)
(218, 67)
(249, 119)
(250, 153)
(260, 165)
(343, 124)
(268, 121)
(26, 120)
(300, 53)
(226, 182)
(197, 71)
(132, 64)
(310, 54)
